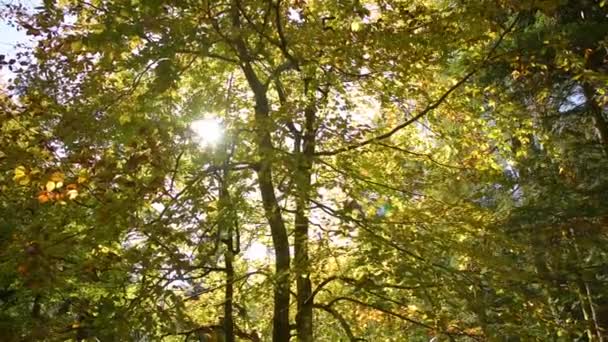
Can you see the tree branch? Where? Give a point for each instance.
(429, 107)
(381, 309)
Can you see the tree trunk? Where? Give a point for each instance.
(598, 117)
(228, 223)
(304, 318)
(272, 211)
(586, 297)
(226, 231)
(228, 296)
(281, 332)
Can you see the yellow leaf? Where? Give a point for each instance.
(124, 119)
(82, 176)
(57, 177)
(76, 46)
(21, 176)
(50, 186)
(20, 172)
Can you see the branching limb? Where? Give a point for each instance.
(367, 282)
(215, 329)
(340, 319)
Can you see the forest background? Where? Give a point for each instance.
(256, 170)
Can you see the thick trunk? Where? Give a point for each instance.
(304, 318)
(280, 241)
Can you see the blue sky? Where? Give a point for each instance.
(9, 36)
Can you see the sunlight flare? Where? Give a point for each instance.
(208, 131)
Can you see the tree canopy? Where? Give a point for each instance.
(305, 170)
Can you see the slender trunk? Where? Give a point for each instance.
(226, 228)
(304, 318)
(228, 296)
(36, 307)
(545, 274)
(587, 296)
(229, 225)
(598, 117)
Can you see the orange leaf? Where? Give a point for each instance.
(22, 269)
(43, 197)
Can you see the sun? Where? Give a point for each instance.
(256, 252)
(208, 131)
